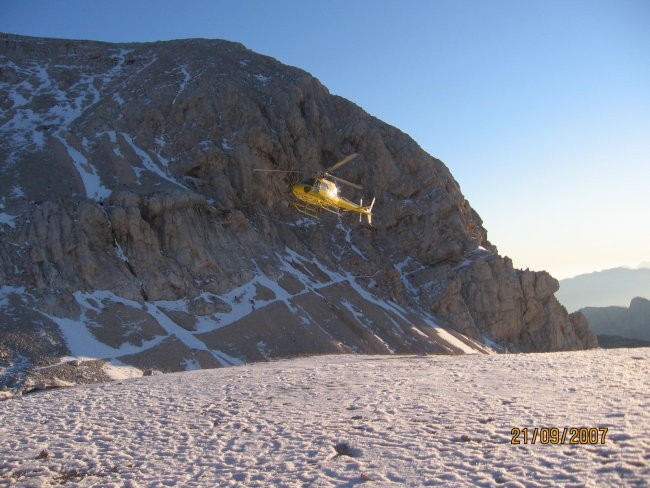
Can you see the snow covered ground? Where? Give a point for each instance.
(343, 421)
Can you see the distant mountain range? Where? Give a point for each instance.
(606, 341)
(611, 287)
(631, 322)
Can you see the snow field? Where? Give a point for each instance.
(341, 421)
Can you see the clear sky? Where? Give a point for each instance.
(540, 108)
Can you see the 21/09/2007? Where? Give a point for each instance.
(555, 435)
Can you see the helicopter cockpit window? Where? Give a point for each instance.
(310, 184)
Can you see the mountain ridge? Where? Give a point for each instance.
(609, 287)
(158, 242)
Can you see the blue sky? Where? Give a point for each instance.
(540, 108)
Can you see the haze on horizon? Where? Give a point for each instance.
(541, 109)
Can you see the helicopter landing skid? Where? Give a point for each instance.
(313, 210)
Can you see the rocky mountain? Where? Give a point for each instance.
(134, 229)
(631, 322)
(611, 287)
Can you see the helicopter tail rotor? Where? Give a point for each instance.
(367, 210)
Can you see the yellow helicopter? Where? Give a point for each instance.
(320, 192)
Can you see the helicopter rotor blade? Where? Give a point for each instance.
(342, 162)
(345, 182)
(277, 170)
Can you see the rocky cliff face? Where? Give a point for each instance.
(134, 227)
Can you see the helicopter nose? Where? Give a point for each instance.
(301, 188)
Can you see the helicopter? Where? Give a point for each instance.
(320, 192)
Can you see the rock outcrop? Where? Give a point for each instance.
(631, 322)
(134, 227)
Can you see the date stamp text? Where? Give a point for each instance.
(555, 435)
